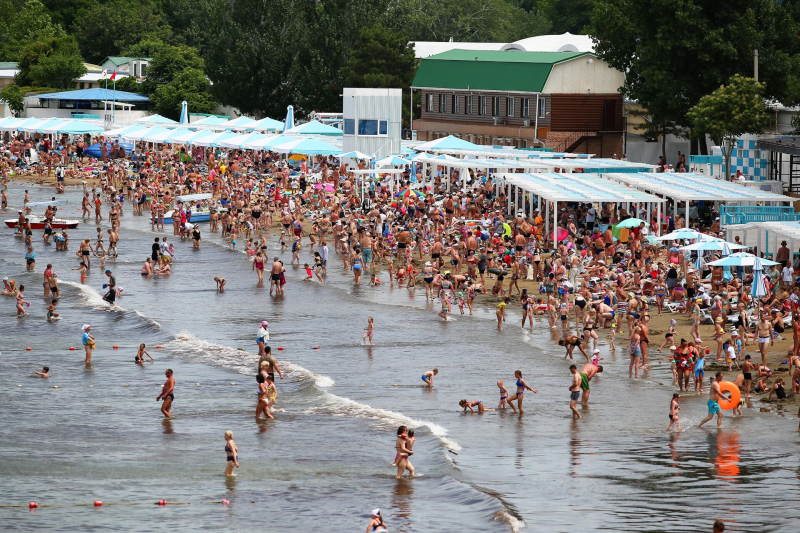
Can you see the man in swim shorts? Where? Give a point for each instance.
(586, 374)
(427, 377)
(574, 391)
(167, 393)
(713, 402)
(764, 334)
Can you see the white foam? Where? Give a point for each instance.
(242, 361)
(148, 319)
(93, 298)
(339, 406)
(513, 522)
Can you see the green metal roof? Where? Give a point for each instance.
(8, 65)
(120, 60)
(489, 70)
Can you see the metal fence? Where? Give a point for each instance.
(742, 214)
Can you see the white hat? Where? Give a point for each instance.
(5, 278)
(596, 350)
(85, 327)
(376, 512)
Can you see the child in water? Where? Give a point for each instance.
(504, 397)
(232, 453)
(309, 273)
(140, 355)
(460, 302)
(673, 412)
(445, 305)
(369, 330)
(220, 283)
(466, 404)
(51, 310)
(44, 374)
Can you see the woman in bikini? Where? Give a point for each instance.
(520, 394)
(258, 266)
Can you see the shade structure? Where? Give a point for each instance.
(355, 155)
(315, 128)
(213, 139)
(98, 94)
(16, 124)
(288, 123)
(681, 234)
(240, 123)
(307, 147)
(184, 112)
(392, 161)
(188, 135)
(155, 119)
(410, 192)
(268, 142)
(138, 135)
(210, 121)
(240, 140)
(742, 259)
(32, 125)
(759, 286)
(446, 143)
(712, 245)
(161, 137)
(51, 126)
(266, 124)
(79, 127)
(119, 132)
(7, 120)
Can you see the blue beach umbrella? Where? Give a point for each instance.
(759, 288)
(289, 122)
(184, 112)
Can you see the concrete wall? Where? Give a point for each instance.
(579, 76)
(378, 104)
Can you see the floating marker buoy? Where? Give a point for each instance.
(33, 505)
(28, 349)
(55, 386)
(91, 386)
(19, 385)
(363, 385)
(125, 385)
(233, 383)
(225, 502)
(316, 347)
(115, 346)
(301, 379)
(98, 503)
(197, 384)
(280, 348)
(72, 348)
(162, 502)
(158, 346)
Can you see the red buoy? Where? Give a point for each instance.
(225, 502)
(28, 349)
(33, 505)
(115, 346)
(72, 348)
(98, 503)
(162, 502)
(158, 346)
(280, 348)
(316, 347)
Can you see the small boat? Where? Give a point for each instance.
(39, 222)
(202, 214)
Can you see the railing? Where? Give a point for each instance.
(574, 139)
(736, 214)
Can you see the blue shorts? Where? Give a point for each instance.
(698, 371)
(713, 407)
(424, 378)
(367, 255)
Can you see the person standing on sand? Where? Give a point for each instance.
(167, 393)
(764, 335)
(713, 402)
(574, 392)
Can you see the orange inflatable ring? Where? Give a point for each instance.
(736, 395)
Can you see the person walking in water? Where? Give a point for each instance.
(232, 453)
(404, 453)
(713, 402)
(520, 394)
(167, 393)
(369, 330)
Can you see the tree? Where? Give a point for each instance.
(129, 84)
(729, 112)
(106, 28)
(573, 16)
(53, 62)
(23, 26)
(190, 85)
(674, 53)
(383, 59)
(14, 98)
(168, 62)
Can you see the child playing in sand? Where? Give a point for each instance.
(466, 404)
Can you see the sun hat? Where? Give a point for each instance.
(596, 350)
(376, 512)
(85, 327)
(264, 323)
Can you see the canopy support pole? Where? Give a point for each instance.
(687, 214)
(547, 218)
(555, 226)
(658, 219)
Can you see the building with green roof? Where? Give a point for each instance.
(568, 101)
(128, 66)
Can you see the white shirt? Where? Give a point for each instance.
(788, 273)
(263, 333)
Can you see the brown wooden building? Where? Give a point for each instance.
(562, 100)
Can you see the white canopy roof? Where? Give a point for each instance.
(687, 186)
(585, 188)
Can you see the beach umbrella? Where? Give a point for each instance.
(289, 122)
(241, 123)
(18, 124)
(392, 161)
(240, 140)
(162, 137)
(681, 234)
(155, 119)
(188, 136)
(329, 188)
(410, 192)
(138, 135)
(33, 125)
(447, 143)
(266, 124)
(713, 245)
(184, 112)
(631, 223)
(306, 146)
(268, 142)
(314, 127)
(79, 127)
(355, 155)
(742, 259)
(759, 287)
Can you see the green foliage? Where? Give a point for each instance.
(674, 53)
(573, 16)
(129, 84)
(13, 97)
(729, 112)
(106, 28)
(168, 62)
(52, 62)
(23, 24)
(191, 85)
(383, 59)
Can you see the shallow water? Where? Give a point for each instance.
(324, 463)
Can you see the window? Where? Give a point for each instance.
(455, 104)
(349, 126)
(542, 107)
(371, 128)
(136, 70)
(482, 108)
(495, 106)
(442, 103)
(525, 107)
(430, 103)
(468, 105)
(143, 70)
(81, 85)
(509, 107)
